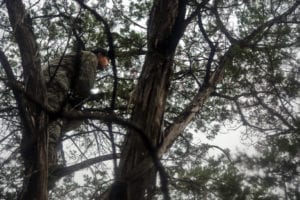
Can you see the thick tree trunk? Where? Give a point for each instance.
(34, 139)
(148, 114)
(165, 28)
(35, 184)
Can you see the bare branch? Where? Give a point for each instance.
(65, 171)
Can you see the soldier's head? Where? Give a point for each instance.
(103, 57)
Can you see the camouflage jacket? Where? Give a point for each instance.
(62, 71)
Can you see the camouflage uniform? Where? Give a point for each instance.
(59, 75)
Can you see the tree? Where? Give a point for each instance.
(194, 70)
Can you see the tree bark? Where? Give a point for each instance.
(165, 28)
(34, 139)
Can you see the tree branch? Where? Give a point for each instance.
(196, 12)
(176, 128)
(65, 171)
(269, 23)
(226, 153)
(35, 156)
(19, 99)
(173, 131)
(240, 111)
(271, 110)
(126, 17)
(153, 156)
(221, 25)
(212, 51)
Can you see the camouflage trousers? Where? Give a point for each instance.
(56, 130)
(58, 101)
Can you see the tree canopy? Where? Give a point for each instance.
(180, 69)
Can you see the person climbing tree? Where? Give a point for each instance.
(69, 80)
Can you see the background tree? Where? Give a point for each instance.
(181, 68)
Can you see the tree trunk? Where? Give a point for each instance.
(148, 114)
(34, 153)
(34, 139)
(165, 28)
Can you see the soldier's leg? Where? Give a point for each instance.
(70, 124)
(54, 129)
(57, 92)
